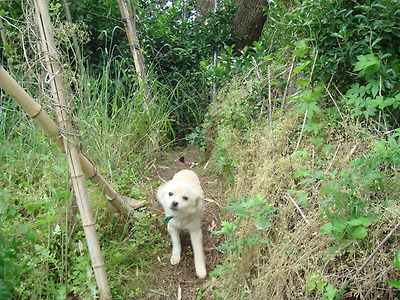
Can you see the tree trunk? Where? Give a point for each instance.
(203, 8)
(248, 22)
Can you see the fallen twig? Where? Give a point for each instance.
(377, 249)
(302, 130)
(288, 197)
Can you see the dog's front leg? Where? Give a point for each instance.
(176, 244)
(196, 236)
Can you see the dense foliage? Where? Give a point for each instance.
(171, 36)
(353, 45)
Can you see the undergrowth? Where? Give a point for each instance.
(43, 252)
(324, 155)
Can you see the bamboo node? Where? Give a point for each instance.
(98, 266)
(94, 174)
(135, 47)
(88, 225)
(110, 199)
(38, 113)
(76, 176)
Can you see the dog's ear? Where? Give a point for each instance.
(160, 191)
(200, 196)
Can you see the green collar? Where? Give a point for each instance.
(167, 219)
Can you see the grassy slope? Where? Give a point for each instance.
(272, 155)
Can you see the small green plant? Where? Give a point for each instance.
(370, 98)
(231, 64)
(254, 208)
(395, 283)
(9, 267)
(196, 138)
(318, 283)
(349, 203)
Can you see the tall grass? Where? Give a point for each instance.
(40, 222)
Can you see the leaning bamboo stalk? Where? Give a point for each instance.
(35, 111)
(71, 149)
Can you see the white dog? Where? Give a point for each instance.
(183, 200)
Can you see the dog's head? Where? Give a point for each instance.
(179, 197)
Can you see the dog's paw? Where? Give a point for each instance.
(175, 259)
(201, 272)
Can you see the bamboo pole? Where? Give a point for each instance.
(131, 33)
(71, 149)
(75, 43)
(3, 38)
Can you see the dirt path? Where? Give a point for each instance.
(180, 282)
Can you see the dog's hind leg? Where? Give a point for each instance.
(176, 244)
(196, 237)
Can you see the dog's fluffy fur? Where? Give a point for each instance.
(183, 199)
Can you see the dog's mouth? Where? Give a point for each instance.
(174, 208)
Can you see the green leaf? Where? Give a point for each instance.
(326, 228)
(336, 35)
(375, 86)
(388, 102)
(300, 68)
(359, 232)
(394, 283)
(303, 154)
(302, 47)
(397, 262)
(301, 173)
(30, 207)
(360, 221)
(321, 285)
(24, 229)
(330, 291)
(366, 61)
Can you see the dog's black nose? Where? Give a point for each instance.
(174, 203)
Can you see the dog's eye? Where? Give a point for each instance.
(185, 197)
(170, 194)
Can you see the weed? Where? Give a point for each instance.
(10, 267)
(254, 208)
(395, 283)
(348, 205)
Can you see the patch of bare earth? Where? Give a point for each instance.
(180, 281)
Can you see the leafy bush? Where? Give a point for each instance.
(174, 41)
(353, 195)
(395, 283)
(346, 37)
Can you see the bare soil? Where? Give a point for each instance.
(180, 281)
